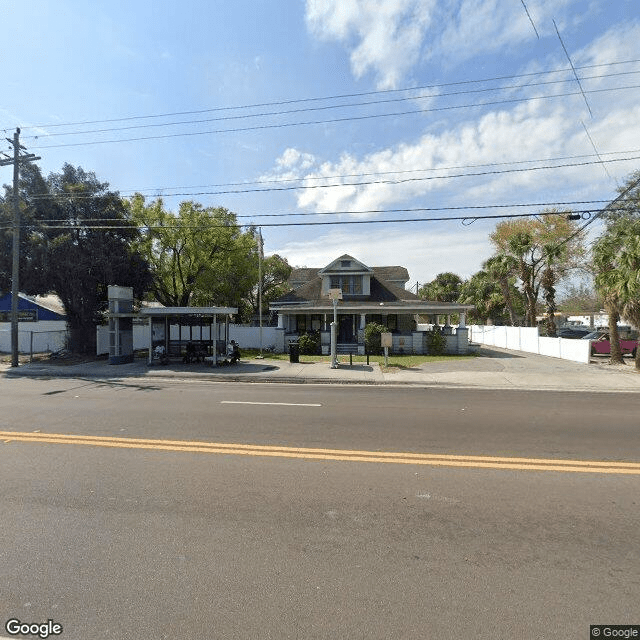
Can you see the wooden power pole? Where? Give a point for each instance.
(16, 161)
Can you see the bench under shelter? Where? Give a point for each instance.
(189, 333)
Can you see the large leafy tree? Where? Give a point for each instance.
(550, 244)
(75, 242)
(444, 288)
(275, 274)
(199, 256)
(616, 257)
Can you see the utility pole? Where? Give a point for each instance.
(260, 259)
(17, 159)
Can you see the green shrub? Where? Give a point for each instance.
(436, 342)
(310, 343)
(372, 333)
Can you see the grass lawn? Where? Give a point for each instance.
(395, 361)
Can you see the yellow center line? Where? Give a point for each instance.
(431, 459)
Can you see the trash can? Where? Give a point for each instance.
(294, 352)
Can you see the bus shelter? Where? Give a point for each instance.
(203, 330)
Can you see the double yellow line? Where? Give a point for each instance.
(429, 459)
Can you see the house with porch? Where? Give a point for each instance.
(369, 294)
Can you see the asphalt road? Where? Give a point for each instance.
(117, 538)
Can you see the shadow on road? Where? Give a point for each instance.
(488, 352)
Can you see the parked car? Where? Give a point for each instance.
(601, 345)
(573, 332)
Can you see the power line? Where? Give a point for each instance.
(469, 219)
(159, 191)
(601, 212)
(375, 211)
(329, 120)
(530, 19)
(369, 182)
(573, 69)
(331, 97)
(326, 107)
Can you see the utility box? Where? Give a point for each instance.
(120, 325)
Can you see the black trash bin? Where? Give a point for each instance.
(294, 352)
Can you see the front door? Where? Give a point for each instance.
(345, 329)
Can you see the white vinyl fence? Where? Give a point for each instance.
(528, 339)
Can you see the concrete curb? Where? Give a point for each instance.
(501, 370)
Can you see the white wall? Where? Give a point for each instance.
(247, 337)
(528, 339)
(48, 335)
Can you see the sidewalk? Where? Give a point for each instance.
(495, 368)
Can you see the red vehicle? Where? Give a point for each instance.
(601, 345)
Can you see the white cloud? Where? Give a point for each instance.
(489, 26)
(533, 130)
(510, 134)
(390, 37)
(418, 247)
(388, 34)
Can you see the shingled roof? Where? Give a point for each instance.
(303, 275)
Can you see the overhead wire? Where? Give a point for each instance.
(368, 182)
(391, 210)
(330, 97)
(362, 117)
(327, 107)
(160, 191)
(87, 227)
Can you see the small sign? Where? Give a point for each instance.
(24, 315)
(386, 340)
(335, 294)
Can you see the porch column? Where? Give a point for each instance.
(362, 320)
(281, 321)
(463, 319)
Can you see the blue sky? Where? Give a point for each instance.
(484, 106)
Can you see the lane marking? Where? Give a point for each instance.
(428, 459)
(282, 404)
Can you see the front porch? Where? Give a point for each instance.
(407, 336)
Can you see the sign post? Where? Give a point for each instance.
(334, 295)
(386, 340)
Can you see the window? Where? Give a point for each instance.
(345, 263)
(350, 285)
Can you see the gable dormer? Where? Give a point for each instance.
(348, 274)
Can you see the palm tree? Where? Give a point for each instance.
(504, 268)
(616, 256)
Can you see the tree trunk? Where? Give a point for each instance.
(82, 336)
(614, 336)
